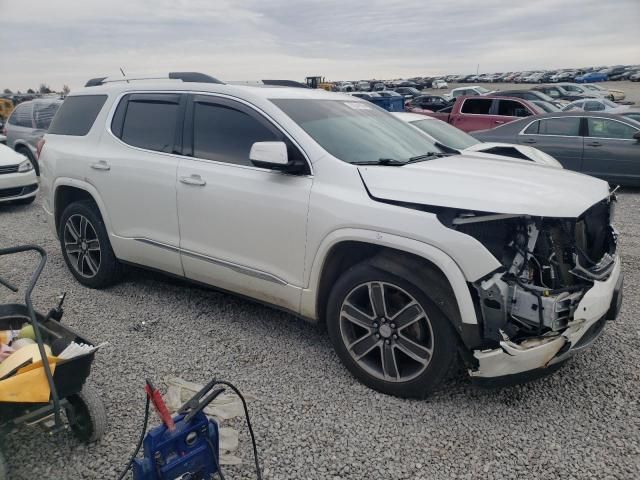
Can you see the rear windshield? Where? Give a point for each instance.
(77, 114)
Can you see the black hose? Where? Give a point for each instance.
(140, 440)
(246, 414)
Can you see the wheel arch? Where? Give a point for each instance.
(341, 250)
(67, 191)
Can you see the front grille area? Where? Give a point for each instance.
(8, 169)
(18, 191)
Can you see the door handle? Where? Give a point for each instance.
(499, 122)
(529, 140)
(195, 180)
(101, 165)
(594, 144)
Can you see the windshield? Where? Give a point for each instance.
(609, 103)
(446, 134)
(356, 131)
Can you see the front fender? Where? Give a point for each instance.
(444, 262)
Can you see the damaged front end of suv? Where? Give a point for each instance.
(552, 295)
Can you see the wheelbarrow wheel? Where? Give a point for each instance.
(86, 414)
(3, 468)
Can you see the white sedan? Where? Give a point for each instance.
(453, 138)
(18, 181)
(596, 105)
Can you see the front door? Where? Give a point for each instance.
(611, 152)
(559, 137)
(243, 228)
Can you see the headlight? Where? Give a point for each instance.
(25, 166)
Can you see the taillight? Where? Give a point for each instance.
(39, 146)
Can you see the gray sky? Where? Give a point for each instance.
(69, 41)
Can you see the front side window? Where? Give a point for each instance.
(607, 128)
(476, 106)
(356, 131)
(567, 126)
(150, 121)
(224, 134)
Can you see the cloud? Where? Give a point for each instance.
(69, 41)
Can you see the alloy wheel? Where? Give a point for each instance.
(82, 245)
(386, 331)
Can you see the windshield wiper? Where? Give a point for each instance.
(383, 161)
(428, 156)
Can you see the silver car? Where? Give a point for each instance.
(27, 124)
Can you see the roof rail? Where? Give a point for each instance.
(183, 76)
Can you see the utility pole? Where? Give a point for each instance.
(478, 69)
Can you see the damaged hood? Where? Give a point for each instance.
(468, 182)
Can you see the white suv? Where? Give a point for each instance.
(331, 208)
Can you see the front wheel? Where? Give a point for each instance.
(86, 414)
(85, 246)
(389, 333)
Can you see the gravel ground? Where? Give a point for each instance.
(312, 419)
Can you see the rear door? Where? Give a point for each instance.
(611, 152)
(505, 111)
(560, 137)
(134, 172)
(474, 114)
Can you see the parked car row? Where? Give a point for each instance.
(580, 75)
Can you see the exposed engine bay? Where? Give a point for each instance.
(548, 265)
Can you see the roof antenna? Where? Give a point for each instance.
(125, 77)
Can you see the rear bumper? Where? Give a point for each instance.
(535, 355)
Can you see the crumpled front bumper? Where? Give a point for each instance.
(600, 303)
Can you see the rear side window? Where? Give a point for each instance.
(476, 106)
(511, 108)
(533, 128)
(225, 134)
(76, 115)
(148, 121)
(43, 113)
(567, 126)
(21, 116)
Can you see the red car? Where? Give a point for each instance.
(484, 112)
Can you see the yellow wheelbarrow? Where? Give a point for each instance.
(41, 381)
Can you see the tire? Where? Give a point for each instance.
(420, 354)
(87, 415)
(27, 153)
(85, 246)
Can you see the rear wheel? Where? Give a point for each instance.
(86, 414)
(85, 246)
(389, 333)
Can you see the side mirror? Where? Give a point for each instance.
(637, 136)
(271, 155)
